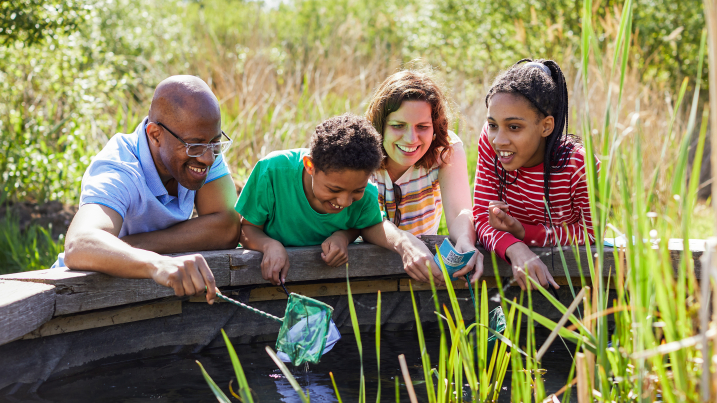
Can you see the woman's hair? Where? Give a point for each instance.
(413, 85)
(548, 95)
(346, 142)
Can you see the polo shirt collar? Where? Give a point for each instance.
(154, 183)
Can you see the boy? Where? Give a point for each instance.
(321, 196)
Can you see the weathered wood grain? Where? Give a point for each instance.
(75, 323)
(23, 308)
(80, 291)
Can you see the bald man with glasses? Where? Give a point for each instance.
(139, 192)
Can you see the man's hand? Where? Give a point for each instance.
(187, 275)
(335, 249)
(521, 257)
(499, 219)
(275, 263)
(476, 261)
(418, 260)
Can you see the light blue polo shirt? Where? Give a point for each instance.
(123, 177)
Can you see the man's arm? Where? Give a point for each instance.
(92, 244)
(217, 227)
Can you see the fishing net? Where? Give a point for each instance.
(496, 321)
(305, 329)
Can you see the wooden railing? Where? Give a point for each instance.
(29, 300)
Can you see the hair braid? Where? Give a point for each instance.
(548, 94)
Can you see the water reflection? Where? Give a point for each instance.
(316, 385)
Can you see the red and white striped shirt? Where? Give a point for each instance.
(568, 199)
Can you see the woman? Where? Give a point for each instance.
(424, 167)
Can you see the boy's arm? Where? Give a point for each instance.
(92, 244)
(217, 227)
(417, 259)
(275, 262)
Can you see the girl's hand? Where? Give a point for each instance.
(335, 249)
(463, 246)
(499, 219)
(524, 260)
(275, 263)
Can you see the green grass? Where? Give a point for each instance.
(31, 249)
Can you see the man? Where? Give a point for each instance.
(139, 192)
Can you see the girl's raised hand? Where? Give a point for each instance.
(524, 260)
(499, 219)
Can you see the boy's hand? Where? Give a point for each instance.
(335, 249)
(521, 257)
(499, 219)
(275, 263)
(418, 261)
(463, 246)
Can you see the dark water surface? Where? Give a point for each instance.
(177, 378)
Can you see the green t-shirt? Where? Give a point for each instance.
(274, 197)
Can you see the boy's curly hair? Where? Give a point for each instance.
(346, 142)
(414, 85)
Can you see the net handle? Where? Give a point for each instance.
(245, 306)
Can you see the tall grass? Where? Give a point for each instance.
(657, 350)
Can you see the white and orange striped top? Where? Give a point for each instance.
(420, 205)
(568, 199)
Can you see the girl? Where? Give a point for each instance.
(424, 166)
(527, 161)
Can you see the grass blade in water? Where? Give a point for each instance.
(221, 397)
(288, 375)
(244, 389)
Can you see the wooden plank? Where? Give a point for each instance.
(365, 260)
(323, 290)
(270, 293)
(74, 323)
(79, 291)
(23, 308)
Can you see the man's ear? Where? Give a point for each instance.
(309, 165)
(548, 125)
(153, 132)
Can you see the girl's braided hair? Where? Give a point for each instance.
(548, 95)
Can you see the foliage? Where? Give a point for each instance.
(31, 249)
(30, 21)
(279, 71)
(64, 97)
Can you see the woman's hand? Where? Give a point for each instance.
(336, 249)
(463, 245)
(418, 260)
(499, 219)
(524, 260)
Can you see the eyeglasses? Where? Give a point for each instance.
(196, 150)
(397, 196)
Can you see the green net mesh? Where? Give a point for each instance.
(303, 333)
(496, 322)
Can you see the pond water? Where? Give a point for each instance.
(177, 378)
